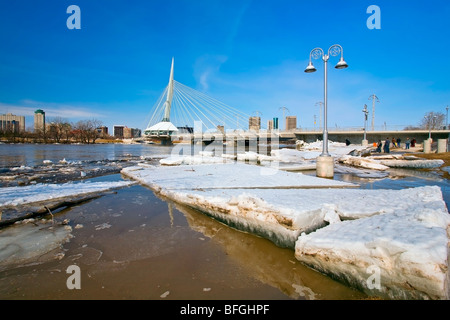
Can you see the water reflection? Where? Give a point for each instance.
(268, 263)
(34, 154)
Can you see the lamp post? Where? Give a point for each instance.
(325, 164)
(446, 119)
(320, 104)
(427, 143)
(284, 117)
(366, 112)
(374, 99)
(430, 120)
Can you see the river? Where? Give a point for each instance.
(136, 245)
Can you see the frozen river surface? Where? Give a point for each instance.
(132, 244)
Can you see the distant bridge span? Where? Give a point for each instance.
(355, 136)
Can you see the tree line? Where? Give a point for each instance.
(59, 130)
(431, 121)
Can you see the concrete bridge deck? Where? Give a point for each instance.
(355, 136)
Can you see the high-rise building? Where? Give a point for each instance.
(291, 122)
(118, 132)
(254, 123)
(129, 133)
(12, 123)
(269, 125)
(275, 123)
(102, 131)
(221, 129)
(39, 120)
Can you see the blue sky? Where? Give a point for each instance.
(250, 55)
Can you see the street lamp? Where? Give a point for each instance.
(429, 120)
(320, 104)
(325, 165)
(366, 112)
(446, 119)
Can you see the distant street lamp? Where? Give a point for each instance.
(366, 112)
(374, 99)
(429, 120)
(325, 164)
(320, 104)
(284, 117)
(446, 119)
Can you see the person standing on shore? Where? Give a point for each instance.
(386, 145)
(407, 142)
(379, 144)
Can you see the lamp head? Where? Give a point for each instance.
(341, 64)
(310, 68)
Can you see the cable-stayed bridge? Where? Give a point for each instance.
(182, 113)
(181, 110)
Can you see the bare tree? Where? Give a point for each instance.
(433, 120)
(67, 133)
(93, 133)
(56, 129)
(86, 130)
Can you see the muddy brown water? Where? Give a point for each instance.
(135, 245)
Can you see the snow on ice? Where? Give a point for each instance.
(13, 196)
(333, 227)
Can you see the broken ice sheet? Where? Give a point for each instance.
(32, 241)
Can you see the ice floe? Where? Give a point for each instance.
(13, 196)
(416, 164)
(228, 175)
(32, 242)
(407, 247)
(335, 228)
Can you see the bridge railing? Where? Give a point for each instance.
(292, 132)
(368, 129)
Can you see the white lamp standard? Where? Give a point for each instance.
(366, 112)
(325, 164)
(430, 121)
(446, 119)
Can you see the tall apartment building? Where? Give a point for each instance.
(129, 133)
(254, 123)
(275, 123)
(39, 120)
(291, 122)
(12, 123)
(269, 125)
(118, 132)
(103, 131)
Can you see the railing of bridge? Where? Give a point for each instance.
(361, 128)
(392, 128)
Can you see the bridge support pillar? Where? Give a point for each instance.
(325, 167)
(427, 146)
(442, 145)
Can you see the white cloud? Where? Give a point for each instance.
(52, 109)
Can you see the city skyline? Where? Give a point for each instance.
(250, 55)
